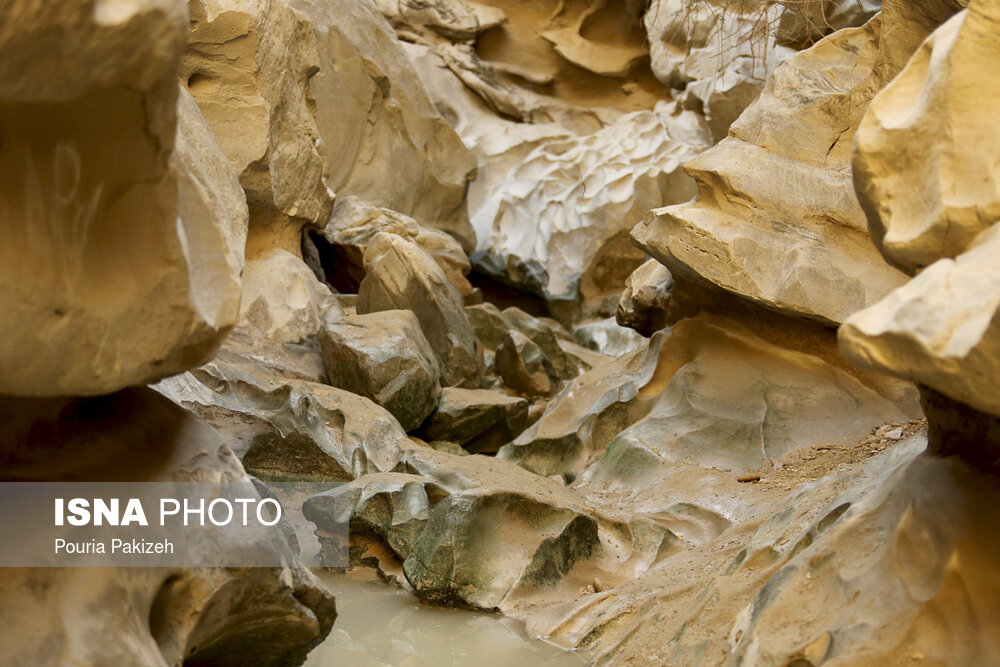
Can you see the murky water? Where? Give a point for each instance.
(378, 625)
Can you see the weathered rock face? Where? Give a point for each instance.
(289, 430)
(371, 112)
(385, 357)
(219, 616)
(776, 220)
(248, 64)
(921, 139)
(355, 223)
(402, 276)
(523, 366)
(940, 329)
(478, 419)
(646, 300)
(710, 391)
(557, 223)
(89, 149)
(721, 57)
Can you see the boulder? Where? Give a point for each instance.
(610, 338)
(95, 140)
(289, 430)
(646, 300)
(776, 220)
(523, 366)
(400, 275)
(478, 419)
(385, 357)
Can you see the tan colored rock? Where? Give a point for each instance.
(248, 64)
(401, 276)
(385, 357)
(354, 223)
(93, 301)
(557, 223)
(941, 329)
(710, 392)
(286, 429)
(478, 419)
(927, 162)
(646, 300)
(173, 614)
(371, 112)
(776, 220)
(609, 338)
(523, 366)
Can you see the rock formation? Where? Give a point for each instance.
(665, 328)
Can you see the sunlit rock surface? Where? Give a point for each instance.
(94, 301)
(776, 220)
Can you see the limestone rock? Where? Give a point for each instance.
(523, 366)
(402, 276)
(646, 300)
(371, 111)
(354, 223)
(608, 337)
(543, 334)
(557, 224)
(385, 357)
(221, 616)
(489, 323)
(710, 392)
(248, 64)
(776, 220)
(289, 430)
(432, 523)
(920, 140)
(90, 147)
(283, 311)
(478, 419)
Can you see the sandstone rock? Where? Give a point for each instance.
(222, 616)
(354, 223)
(646, 300)
(431, 521)
(289, 430)
(608, 337)
(91, 146)
(776, 221)
(371, 111)
(248, 64)
(556, 224)
(542, 334)
(920, 140)
(523, 366)
(490, 325)
(710, 392)
(478, 419)
(402, 276)
(283, 311)
(385, 357)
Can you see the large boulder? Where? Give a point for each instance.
(776, 220)
(385, 357)
(400, 275)
(93, 301)
(478, 419)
